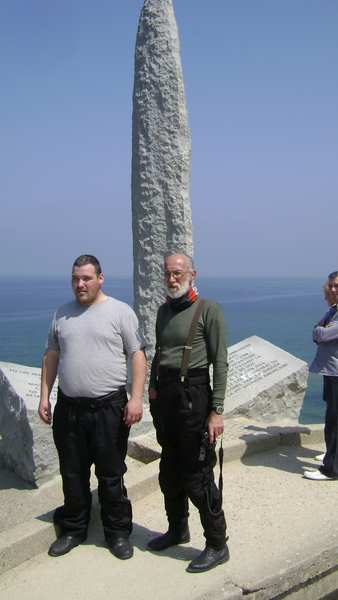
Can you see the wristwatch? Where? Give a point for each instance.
(218, 409)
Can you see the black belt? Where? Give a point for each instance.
(93, 402)
(193, 377)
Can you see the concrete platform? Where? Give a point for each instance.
(283, 529)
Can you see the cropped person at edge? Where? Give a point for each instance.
(87, 348)
(183, 410)
(325, 335)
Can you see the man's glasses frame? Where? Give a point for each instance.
(175, 274)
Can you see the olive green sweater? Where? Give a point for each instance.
(209, 345)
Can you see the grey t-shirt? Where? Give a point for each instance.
(94, 342)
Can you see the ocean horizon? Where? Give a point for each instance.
(280, 310)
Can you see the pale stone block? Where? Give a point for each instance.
(27, 444)
(265, 383)
(161, 214)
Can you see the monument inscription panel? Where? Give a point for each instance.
(264, 382)
(247, 367)
(26, 382)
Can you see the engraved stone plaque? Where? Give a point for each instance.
(26, 382)
(265, 383)
(27, 444)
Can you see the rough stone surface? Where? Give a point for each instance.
(265, 383)
(27, 445)
(160, 159)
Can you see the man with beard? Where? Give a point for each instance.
(186, 410)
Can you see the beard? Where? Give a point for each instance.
(176, 290)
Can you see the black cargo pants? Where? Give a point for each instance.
(179, 413)
(330, 395)
(84, 436)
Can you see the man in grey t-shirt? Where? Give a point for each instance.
(88, 344)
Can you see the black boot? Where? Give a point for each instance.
(172, 537)
(208, 559)
(65, 543)
(120, 547)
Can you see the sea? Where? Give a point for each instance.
(280, 310)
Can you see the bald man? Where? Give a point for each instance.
(187, 413)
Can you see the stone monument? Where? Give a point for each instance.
(26, 445)
(265, 383)
(161, 212)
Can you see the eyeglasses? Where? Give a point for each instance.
(175, 274)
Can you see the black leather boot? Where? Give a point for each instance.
(208, 559)
(65, 544)
(172, 537)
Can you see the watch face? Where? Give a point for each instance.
(218, 410)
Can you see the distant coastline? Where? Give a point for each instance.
(280, 310)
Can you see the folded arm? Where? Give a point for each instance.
(325, 334)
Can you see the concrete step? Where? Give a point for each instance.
(283, 531)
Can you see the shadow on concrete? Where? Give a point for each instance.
(140, 537)
(288, 435)
(289, 459)
(292, 459)
(285, 444)
(9, 480)
(46, 517)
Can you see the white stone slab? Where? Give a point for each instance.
(27, 444)
(265, 383)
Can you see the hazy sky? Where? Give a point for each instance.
(261, 79)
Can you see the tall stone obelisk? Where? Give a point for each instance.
(161, 212)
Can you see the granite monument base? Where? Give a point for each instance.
(27, 445)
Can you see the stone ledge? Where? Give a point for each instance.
(29, 539)
(34, 536)
(312, 579)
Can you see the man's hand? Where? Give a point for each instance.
(215, 425)
(133, 412)
(45, 411)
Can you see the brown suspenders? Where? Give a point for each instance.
(190, 338)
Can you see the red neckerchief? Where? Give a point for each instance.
(185, 300)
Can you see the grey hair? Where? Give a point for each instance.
(190, 259)
(333, 275)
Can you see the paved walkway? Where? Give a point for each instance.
(283, 531)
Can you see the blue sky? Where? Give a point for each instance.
(261, 79)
